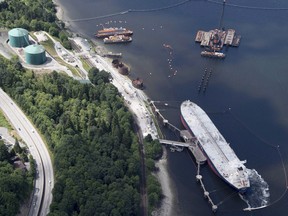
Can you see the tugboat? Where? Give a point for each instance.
(117, 39)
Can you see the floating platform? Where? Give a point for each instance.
(215, 39)
(225, 37)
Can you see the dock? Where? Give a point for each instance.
(161, 118)
(192, 146)
(227, 37)
(112, 55)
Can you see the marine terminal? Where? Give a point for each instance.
(214, 40)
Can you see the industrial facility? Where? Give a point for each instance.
(35, 54)
(18, 37)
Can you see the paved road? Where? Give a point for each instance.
(44, 183)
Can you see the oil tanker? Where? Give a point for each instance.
(106, 32)
(221, 157)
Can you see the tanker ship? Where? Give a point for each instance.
(106, 32)
(221, 157)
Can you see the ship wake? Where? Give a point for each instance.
(258, 195)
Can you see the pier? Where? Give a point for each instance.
(192, 144)
(161, 118)
(214, 40)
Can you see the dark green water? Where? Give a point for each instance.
(252, 81)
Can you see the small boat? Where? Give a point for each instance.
(117, 39)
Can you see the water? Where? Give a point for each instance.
(257, 196)
(251, 81)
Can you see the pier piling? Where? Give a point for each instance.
(206, 193)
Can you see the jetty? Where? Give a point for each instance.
(192, 146)
(191, 143)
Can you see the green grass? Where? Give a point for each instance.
(4, 122)
(86, 66)
(49, 46)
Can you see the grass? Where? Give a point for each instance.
(86, 66)
(49, 46)
(4, 122)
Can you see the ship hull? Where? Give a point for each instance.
(211, 165)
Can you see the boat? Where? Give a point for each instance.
(220, 156)
(117, 39)
(106, 32)
(213, 54)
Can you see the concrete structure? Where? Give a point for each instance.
(35, 54)
(18, 37)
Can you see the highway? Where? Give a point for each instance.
(44, 182)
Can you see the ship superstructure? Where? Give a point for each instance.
(221, 157)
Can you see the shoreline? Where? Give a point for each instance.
(163, 177)
(162, 174)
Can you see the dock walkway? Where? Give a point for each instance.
(192, 146)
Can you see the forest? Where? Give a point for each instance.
(15, 184)
(88, 129)
(33, 15)
(90, 133)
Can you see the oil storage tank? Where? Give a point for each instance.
(18, 37)
(35, 54)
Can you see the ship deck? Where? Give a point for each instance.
(218, 151)
(207, 134)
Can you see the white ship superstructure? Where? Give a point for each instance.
(221, 157)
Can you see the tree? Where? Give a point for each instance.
(53, 31)
(4, 154)
(17, 147)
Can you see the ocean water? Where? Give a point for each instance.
(246, 95)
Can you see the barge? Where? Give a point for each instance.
(117, 39)
(106, 32)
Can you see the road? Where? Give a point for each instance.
(44, 182)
